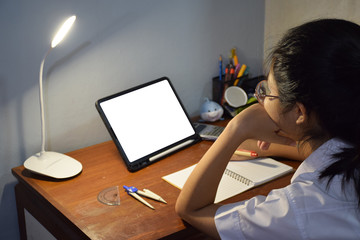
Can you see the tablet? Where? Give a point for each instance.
(147, 122)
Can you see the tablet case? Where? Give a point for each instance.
(135, 117)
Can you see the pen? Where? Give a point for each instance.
(220, 68)
(134, 192)
(150, 194)
(232, 73)
(237, 69)
(246, 71)
(227, 73)
(246, 153)
(242, 70)
(225, 85)
(234, 56)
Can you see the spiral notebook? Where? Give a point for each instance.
(238, 177)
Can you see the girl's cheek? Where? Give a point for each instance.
(271, 111)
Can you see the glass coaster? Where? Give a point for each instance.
(110, 196)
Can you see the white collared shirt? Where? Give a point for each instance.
(305, 209)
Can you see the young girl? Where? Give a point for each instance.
(311, 99)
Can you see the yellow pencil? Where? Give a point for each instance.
(241, 72)
(246, 153)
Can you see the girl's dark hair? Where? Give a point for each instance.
(318, 64)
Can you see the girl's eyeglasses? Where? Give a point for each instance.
(262, 90)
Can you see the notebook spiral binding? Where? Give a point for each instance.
(238, 177)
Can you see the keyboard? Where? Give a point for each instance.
(208, 131)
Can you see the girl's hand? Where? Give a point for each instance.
(265, 145)
(255, 123)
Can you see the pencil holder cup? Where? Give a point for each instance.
(235, 96)
(247, 84)
(219, 87)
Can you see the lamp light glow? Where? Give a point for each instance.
(64, 29)
(52, 164)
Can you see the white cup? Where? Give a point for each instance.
(235, 96)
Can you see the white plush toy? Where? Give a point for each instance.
(211, 111)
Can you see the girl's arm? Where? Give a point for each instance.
(275, 150)
(195, 203)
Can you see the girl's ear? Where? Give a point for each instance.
(301, 115)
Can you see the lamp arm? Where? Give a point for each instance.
(41, 99)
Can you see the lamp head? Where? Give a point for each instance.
(61, 33)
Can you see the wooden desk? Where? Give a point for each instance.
(69, 209)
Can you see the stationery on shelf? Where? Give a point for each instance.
(220, 68)
(238, 177)
(234, 74)
(234, 111)
(237, 69)
(234, 56)
(240, 74)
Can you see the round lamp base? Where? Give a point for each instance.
(53, 164)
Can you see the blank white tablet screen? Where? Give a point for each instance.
(147, 119)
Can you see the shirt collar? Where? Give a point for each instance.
(320, 158)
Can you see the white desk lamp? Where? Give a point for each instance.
(52, 164)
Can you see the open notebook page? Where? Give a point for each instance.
(238, 177)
